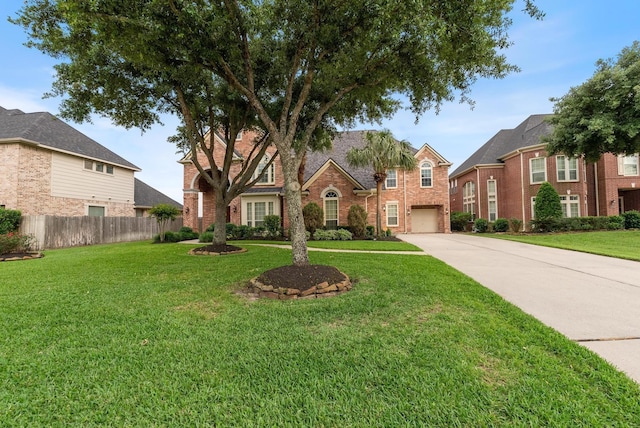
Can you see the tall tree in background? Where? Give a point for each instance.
(603, 114)
(381, 153)
(300, 65)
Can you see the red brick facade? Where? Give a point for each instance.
(407, 200)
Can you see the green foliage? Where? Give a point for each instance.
(547, 204)
(615, 222)
(481, 225)
(206, 237)
(13, 242)
(9, 220)
(578, 224)
(357, 220)
(602, 114)
(631, 219)
(515, 224)
(460, 220)
(371, 230)
(211, 228)
(230, 229)
(501, 225)
(333, 235)
(164, 213)
(313, 217)
(272, 225)
(187, 233)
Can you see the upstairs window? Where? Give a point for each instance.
(628, 165)
(567, 168)
(538, 168)
(98, 167)
(492, 200)
(426, 174)
(469, 198)
(268, 173)
(392, 179)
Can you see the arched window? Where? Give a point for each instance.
(331, 209)
(268, 177)
(426, 174)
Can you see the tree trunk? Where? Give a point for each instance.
(378, 203)
(220, 230)
(297, 232)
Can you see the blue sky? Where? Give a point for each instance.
(554, 54)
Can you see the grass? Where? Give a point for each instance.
(364, 245)
(623, 244)
(145, 335)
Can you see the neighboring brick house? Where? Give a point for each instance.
(412, 201)
(502, 178)
(50, 168)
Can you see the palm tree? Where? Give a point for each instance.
(382, 152)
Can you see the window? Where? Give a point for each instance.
(239, 136)
(268, 174)
(109, 169)
(95, 211)
(469, 198)
(426, 170)
(570, 205)
(628, 165)
(331, 209)
(392, 214)
(538, 168)
(567, 168)
(392, 179)
(98, 166)
(492, 200)
(256, 212)
(88, 164)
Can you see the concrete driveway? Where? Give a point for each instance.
(593, 300)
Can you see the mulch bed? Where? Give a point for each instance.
(215, 249)
(20, 256)
(301, 277)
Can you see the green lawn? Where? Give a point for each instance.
(623, 244)
(146, 335)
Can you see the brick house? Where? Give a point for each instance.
(502, 178)
(50, 168)
(412, 201)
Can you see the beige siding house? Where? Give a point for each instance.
(50, 168)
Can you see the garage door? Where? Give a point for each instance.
(424, 220)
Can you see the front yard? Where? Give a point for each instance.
(146, 335)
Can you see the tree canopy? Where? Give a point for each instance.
(603, 114)
(303, 67)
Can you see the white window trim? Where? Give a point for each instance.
(270, 173)
(324, 204)
(544, 162)
(386, 181)
(622, 163)
(492, 197)
(566, 201)
(469, 200)
(387, 210)
(430, 164)
(106, 213)
(566, 169)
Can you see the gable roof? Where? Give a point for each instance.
(337, 155)
(145, 196)
(46, 130)
(507, 141)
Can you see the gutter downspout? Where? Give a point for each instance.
(404, 196)
(597, 193)
(524, 224)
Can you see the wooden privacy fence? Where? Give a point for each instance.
(60, 232)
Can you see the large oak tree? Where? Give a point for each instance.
(300, 65)
(603, 114)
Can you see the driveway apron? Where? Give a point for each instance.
(594, 300)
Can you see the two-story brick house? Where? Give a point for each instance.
(412, 201)
(502, 178)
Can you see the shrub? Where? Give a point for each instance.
(481, 225)
(460, 220)
(164, 213)
(333, 235)
(9, 220)
(631, 219)
(242, 232)
(169, 236)
(211, 228)
(547, 208)
(616, 222)
(371, 231)
(357, 220)
(187, 233)
(13, 242)
(230, 229)
(543, 225)
(206, 237)
(272, 225)
(501, 225)
(313, 217)
(515, 224)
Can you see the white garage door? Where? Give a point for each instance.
(424, 220)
